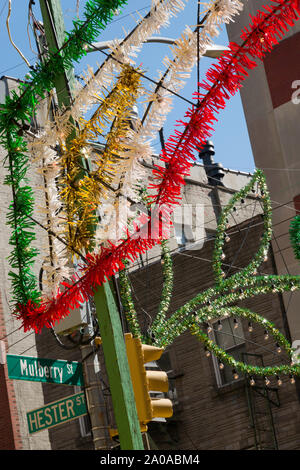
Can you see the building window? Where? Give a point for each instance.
(228, 335)
(183, 234)
(164, 363)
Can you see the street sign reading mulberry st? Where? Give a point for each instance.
(44, 370)
(57, 412)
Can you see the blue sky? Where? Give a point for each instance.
(230, 138)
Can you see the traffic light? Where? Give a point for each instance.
(144, 381)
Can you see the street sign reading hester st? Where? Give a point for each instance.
(35, 369)
(57, 412)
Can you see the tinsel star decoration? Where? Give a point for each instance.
(199, 314)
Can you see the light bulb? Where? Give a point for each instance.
(267, 381)
(278, 348)
(279, 381)
(292, 379)
(209, 329)
(221, 365)
(252, 382)
(207, 352)
(250, 327)
(236, 323)
(235, 374)
(266, 335)
(220, 326)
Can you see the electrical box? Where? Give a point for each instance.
(77, 319)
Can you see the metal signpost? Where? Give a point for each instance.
(57, 412)
(44, 370)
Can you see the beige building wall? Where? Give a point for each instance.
(273, 125)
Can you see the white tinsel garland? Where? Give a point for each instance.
(184, 58)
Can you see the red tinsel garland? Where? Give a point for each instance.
(223, 80)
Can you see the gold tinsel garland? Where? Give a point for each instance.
(82, 189)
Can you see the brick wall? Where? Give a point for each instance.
(9, 420)
(208, 417)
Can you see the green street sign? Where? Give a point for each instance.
(44, 370)
(56, 413)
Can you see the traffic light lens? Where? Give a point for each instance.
(161, 408)
(157, 381)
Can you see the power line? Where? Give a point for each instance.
(211, 238)
(22, 339)
(244, 340)
(2, 10)
(129, 14)
(144, 76)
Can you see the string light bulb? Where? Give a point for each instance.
(292, 379)
(279, 381)
(252, 382)
(235, 374)
(266, 335)
(267, 381)
(250, 327)
(235, 323)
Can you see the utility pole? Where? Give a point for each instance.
(106, 307)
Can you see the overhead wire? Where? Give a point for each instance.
(244, 339)
(161, 85)
(143, 75)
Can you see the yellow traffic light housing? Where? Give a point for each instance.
(144, 381)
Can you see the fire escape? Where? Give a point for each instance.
(261, 401)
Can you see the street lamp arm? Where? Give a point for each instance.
(214, 51)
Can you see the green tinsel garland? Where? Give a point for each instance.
(128, 303)
(16, 112)
(167, 270)
(295, 235)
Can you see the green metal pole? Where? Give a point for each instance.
(118, 369)
(107, 311)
